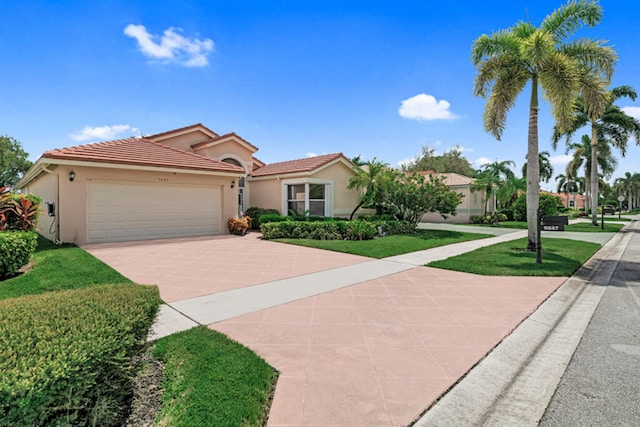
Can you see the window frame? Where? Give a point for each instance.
(328, 194)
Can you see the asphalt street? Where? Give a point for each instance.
(601, 386)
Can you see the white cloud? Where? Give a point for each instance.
(560, 159)
(171, 46)
(481, 162)
(632, 111)
(311, 155)
(425, 107)
(102, 133)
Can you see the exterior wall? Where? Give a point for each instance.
(46, 187)
(471, 205)
(568, 198)
(184, 142)
(72, 202)
(270, 192)
(230, 149)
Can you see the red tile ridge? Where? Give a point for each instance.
(221, 137)
(157, 135)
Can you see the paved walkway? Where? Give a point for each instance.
(357, 341)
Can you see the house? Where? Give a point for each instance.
(184, 182)
(571, 200)
(472, 201)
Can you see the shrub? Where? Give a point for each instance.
(266, 218)
(238, 226)
(548, 206)
(360, 230)
(302, 230)
(65, 357)
(394, 226)
(16, 249)
(493, 218)
(19, 211)
(254, 213)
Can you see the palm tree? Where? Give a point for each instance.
(365, 181)
(510, 190)
(491, 176)
(582, 158)
(567, 184)
(544, 163)
(625, 185)
(509, 59)
(609, 124)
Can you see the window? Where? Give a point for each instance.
(308, 197)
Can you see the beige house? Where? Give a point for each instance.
(185, 182)
(472, 201)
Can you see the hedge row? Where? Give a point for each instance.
(16, 248)
(333, 230)
(65, 357)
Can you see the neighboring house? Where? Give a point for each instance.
(571, 200)
(185, 182)
(472, 201)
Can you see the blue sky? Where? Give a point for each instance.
(372, 78)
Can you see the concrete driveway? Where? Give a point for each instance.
(357, 341)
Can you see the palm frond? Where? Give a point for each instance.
(503, 96)
(560, 80)
(565, 20)
(593, 54)
(498, 43)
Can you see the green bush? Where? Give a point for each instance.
(394, 226)
(254, 213)
(493, 218)
(16, 249)
(548, 206)
(302, 230)
(21, 211)
(65, 357)
(360, 230)
(267, 218)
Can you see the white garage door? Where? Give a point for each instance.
(119, 211)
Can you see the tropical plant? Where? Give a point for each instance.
(509, 59)
(491, 176)
(609, 125)
(544, 163)
(567, 184)
(451, 161)
(369, 180)
(510, 190)
(625, 186)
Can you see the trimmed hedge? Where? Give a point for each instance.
(65, 357)
(254, 213)
(334, 229)
(16, 249)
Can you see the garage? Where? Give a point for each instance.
(121, 211)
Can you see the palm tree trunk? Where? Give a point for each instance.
(533, 170)
(587, 191)
(594, 174)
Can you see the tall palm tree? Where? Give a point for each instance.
(582, 157)
(625, 186)
(544, 163)
(611, 125)
(567, 184)
(509, 59)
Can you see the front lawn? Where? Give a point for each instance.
(609, 226)
(560, 257)
(395, 244)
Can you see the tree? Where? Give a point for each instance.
(509, 59)
(609, 124)
(491, 176)
(568, 184)
(510, 190)
(451, 161)
(368, 181)
(412, 195)
(544, 163)
(625, 186)
(13, 161)
(582, 157)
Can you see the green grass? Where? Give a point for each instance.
(212, 381)
(587, 227)
(57, 268)
(560, 257)
(391, 245)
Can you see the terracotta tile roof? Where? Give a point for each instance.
(296, 166)
(222, 137)
(451, 178)
(140, 152)
(180, 130)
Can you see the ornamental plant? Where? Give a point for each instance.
(239, 226)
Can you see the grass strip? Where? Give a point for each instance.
(57, 268)
(211, 380)
(395, 244)
(587, 227)
(560, 257)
